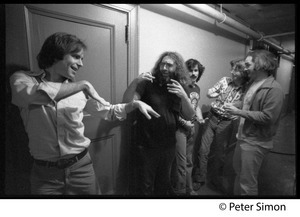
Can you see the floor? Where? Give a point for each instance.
(277, 176)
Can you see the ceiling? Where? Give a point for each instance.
(274, 21)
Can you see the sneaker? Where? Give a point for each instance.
(197, 185)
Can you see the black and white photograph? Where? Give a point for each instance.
(176, 102)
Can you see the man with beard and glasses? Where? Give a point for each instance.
(156, 141)
(219, 126)
(51, 104)
(186, 134)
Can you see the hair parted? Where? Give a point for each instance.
(191, 63)
(56, 46)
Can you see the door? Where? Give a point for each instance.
(103, 29)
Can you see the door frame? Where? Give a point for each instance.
(132, 15)
(132, 49)
(132, 52)
(132, 12)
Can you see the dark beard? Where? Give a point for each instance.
(163, 81)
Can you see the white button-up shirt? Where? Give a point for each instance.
(55, 128)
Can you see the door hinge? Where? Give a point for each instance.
(126, 34)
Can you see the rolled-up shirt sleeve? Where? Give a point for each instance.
(50, 88)
(106, 110)
(26, 90)
(216, 89)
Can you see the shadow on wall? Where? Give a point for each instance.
(278, 171)
(205, 109)
(17, 158)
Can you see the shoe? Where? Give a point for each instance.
(197, 185)
(192, 193)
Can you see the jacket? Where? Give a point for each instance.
(262, 119)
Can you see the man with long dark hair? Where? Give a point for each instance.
(163, 91)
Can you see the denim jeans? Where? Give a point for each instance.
(220, 132)
(78, 179)
(183, 163)
(247, 160)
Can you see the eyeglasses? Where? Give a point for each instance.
(168, 65)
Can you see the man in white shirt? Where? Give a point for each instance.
(51, 104)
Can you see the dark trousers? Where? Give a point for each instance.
(220, 132)
(182, 166)
(154, 170)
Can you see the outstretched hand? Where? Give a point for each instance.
(146, 109)
(91, 92)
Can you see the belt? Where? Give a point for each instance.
(62, 163)
(218, 116)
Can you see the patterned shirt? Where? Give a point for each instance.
(193, 92)
(194, 95)
(55, 128)
(226, 92)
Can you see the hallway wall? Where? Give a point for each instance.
(192, 34)
(159, 33)
(212, 44)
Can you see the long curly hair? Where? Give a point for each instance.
(181, 72)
